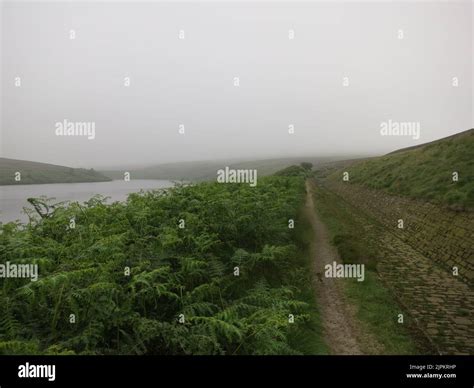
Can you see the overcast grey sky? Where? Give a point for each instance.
(190, 81)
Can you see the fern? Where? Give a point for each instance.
(174, 271)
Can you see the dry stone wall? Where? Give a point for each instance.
(443, 235)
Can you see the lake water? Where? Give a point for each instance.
(14, 197)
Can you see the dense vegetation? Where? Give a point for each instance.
(424, 172)
(303, 170)
(32, 172)
(182, 295)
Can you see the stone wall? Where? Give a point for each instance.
(442, 235)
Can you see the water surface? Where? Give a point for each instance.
(14, 197)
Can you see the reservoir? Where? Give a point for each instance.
(14, 197)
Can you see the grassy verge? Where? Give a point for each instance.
(356, 241)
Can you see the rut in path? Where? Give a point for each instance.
(340, 325)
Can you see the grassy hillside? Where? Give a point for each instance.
(32, 172)
(424, 171)
(206, 170)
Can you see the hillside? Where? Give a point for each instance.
(424, 171)
(33, 173)
(206, 170)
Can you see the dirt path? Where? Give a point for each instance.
(339, 322)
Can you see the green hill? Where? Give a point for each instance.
(206, 170)
(425, 171)
(33, 173)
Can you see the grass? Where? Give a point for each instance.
(376, 307)
(424, 172)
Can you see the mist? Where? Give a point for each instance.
(165, 82)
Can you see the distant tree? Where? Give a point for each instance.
(291, 171)
(307, 165)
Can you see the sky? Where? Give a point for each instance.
(245, 75)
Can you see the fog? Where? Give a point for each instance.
(242, 78)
